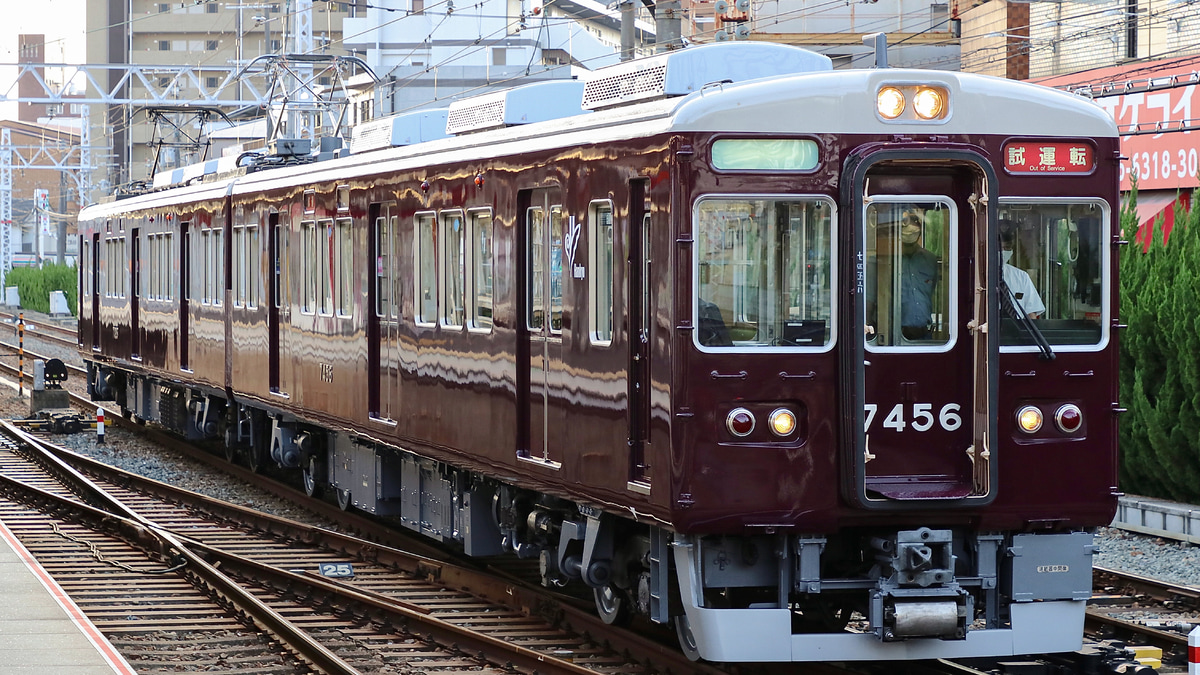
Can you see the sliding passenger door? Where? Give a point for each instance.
(277, 304)
(384, 319)
(638, 307)
(95, 288)
(135, 292)
(540, 364)
(185, 291)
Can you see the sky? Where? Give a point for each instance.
(61, 21)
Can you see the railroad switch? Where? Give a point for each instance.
(57, 421)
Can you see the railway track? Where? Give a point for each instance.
(1141, 610)
(396, 606)
(42, 329)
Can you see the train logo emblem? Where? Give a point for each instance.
(570, 243)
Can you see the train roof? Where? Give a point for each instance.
(814, 101)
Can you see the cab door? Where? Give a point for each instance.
(922, 377)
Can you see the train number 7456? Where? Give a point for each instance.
(920, 417)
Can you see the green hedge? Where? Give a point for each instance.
(1160, 358)
(36, 284)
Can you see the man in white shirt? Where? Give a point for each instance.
(1017, 279)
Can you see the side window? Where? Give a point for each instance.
(324, 266)
(452, 237)
(764, 273)
(601, 262)
(253, 268)
(345, 267)
(426, 268)
(308, 271)
(218, 254)
(240, 268)
(480, 289)
(1052, 259)
(535, 220)
(383, 265)
(556, 269)
(278, 271)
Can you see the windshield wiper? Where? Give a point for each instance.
(1013, 307)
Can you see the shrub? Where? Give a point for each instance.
(1160, 358)
(35, 285)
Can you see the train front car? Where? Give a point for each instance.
(895, 376)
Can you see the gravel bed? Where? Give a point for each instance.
(129, 451)
(1164, 559)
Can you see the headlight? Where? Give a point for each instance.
(929, 103)
(740, 422)
(782, 422)
(889, 102)
(1029, 419)
(1069, 418)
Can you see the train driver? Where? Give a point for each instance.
(1024, 293)
(902, 266)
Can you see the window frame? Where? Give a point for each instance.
(325, 281)
(446, 311)
(1106, 290)
(343, 260)
(420, 318)
(307, 276)
(472, 286)
(595, 208)
(834, 272)
(950, 281)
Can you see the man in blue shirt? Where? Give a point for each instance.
(919, 275)
(904, 268)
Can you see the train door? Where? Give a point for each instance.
(135, 292)
(277, 304)
(637, 275)
(185, 292)
(925, 384)
(96, 256)
(541, 273)
(384, 324)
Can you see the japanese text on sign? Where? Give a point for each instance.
(1048, 157)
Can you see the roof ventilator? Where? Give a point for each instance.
(531, 103)
(682, 72)
(397, 130)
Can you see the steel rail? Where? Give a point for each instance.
(143, 533)
(388, 548)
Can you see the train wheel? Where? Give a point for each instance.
(231, 453)
(612, 604)
(256, 458)
(312, 485)
(343, 499)
(687, 640)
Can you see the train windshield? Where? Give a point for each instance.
(764, 273)
(1053, 259)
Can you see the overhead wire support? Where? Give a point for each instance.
(296, 94)
(166, 117)
(144, 85)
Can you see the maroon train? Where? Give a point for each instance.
(816, 364)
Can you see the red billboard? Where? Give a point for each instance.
(1156, 99)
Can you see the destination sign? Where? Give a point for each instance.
(1034, 156)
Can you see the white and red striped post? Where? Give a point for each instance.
(1194, 651)
(100, 425)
